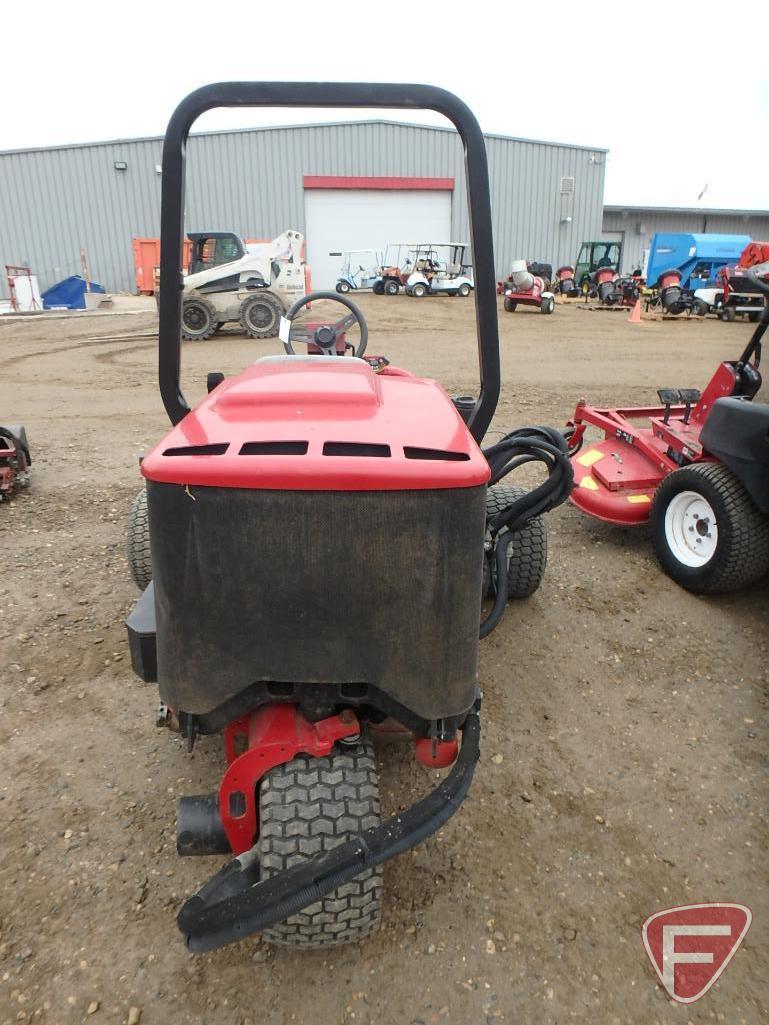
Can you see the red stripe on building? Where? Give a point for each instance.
(333, 181)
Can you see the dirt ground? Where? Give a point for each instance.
(624, 751)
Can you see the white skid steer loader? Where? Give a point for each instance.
(230, 281)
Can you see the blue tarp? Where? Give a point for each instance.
(69, 293)
(687, 253)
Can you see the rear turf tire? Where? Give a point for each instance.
(138, 542)
(736, 556)
(314, 804)
(260, 315)
(528, 552)
(378, 287)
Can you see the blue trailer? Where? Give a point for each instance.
(698, 258)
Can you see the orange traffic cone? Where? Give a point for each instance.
(635, 316)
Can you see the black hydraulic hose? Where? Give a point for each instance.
(500, 553)
(546, 445)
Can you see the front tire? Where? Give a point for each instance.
(343, 287)
(199, 320)
(391, 288)
(547, 305)
(700, 308)
(728, 313)
(528, 552)
(138, 542)
(708, 534)
(510, 305)
(419, 290)
(378, 288)
(464, 290)
(260, 315)
(314, 804)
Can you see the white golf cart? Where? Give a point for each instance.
(360, 269)
(439, 269)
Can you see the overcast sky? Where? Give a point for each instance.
(679, 94)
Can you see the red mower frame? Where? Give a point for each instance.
(620, 489)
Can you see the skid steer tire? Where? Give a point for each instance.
(708, 534)
(260, 315)
(138, 542)
(199, 320)
(528, 552)
(314, 804)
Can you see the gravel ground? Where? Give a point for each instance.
(623, 766)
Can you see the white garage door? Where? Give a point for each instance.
(341, 219)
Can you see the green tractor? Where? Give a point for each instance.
(592, 255)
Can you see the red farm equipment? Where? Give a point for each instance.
(695, 467)
(565, 283)
(15, 459)
(313, 545)
(524, 288)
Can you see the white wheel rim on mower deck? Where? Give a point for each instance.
(691, 530)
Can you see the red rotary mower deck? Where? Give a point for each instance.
(616, 478)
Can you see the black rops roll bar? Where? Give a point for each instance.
(325, 94)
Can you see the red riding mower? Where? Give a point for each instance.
(15, 460)
(318, 532)
(698, 470)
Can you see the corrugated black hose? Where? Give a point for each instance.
(545, 445)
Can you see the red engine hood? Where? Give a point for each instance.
(321, 424)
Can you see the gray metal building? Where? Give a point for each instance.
(635, 225)
(546, 197)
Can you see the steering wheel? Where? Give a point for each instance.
(324, 335)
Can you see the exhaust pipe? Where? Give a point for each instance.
(199, 828)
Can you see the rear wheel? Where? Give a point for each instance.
(199, 320)
(708, 534)
(260, 315)
(510, 305)
(378, 287)
(138, 542)
(310, 805)
(728, 313)
(527, 559)
(699, 308)
(392, 288)
(754, 316)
